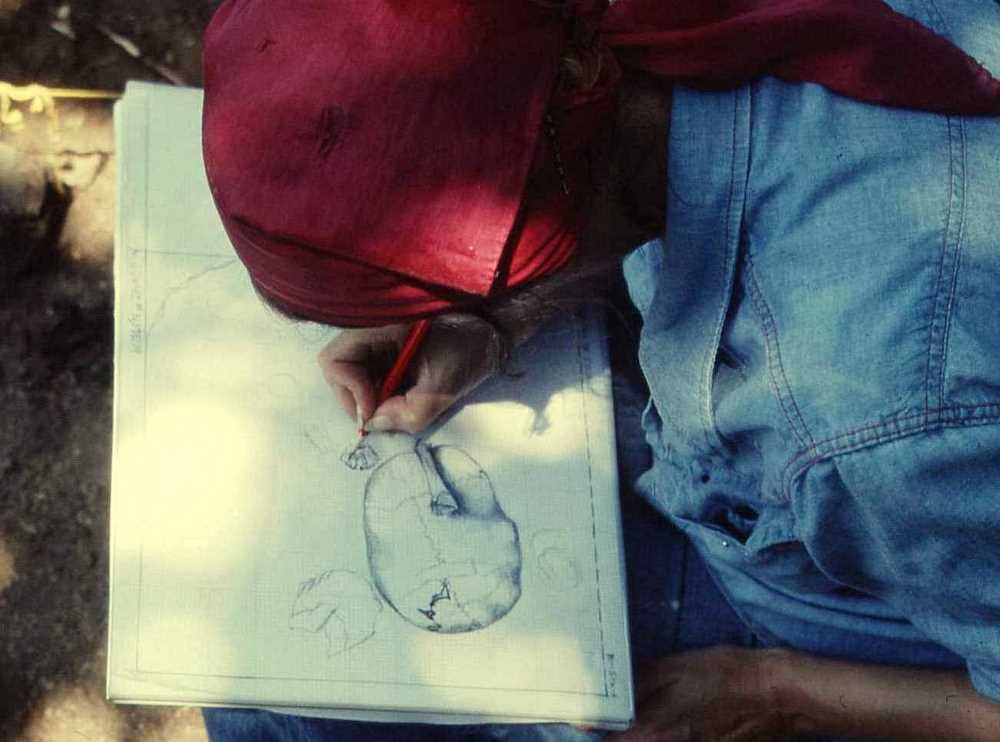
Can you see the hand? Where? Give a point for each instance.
(459, 352)
(721, 694)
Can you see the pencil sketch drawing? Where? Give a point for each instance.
(363, 456)
(340, 604)
(441, 550)
(554, 558)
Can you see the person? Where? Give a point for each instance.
(807, 199)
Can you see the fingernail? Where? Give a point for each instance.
(379, 424)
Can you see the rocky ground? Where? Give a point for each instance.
(57, 193)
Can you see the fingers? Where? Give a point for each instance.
(459, 352)
(663, 673)
(353, 388)
(349, 402)
(352, 362)
(412, 412)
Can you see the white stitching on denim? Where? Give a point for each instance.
(953, 416)
(954, 226)
(959, 235)
(947, 264)
(728, 274)
(777, 378)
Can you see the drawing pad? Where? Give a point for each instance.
(472, 575)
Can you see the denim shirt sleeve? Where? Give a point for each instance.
(916, 521)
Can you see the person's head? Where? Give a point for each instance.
(406, 159)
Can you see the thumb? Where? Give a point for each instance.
(410, 413)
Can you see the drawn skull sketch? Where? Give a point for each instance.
(442, 551)
(339, 604)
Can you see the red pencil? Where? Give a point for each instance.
(410, 347)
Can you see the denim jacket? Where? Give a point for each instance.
(821, 341)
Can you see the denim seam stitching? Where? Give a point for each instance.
(929, 365)
(960, 185)
(714, 440)
(888, 430)
(943, 287)
(940, 324)
(778, 379)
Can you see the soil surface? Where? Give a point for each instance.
(56, 301)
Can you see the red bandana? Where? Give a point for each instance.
(394, 159)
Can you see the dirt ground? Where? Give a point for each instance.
(56, 301)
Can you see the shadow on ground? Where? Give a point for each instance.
(55, 431)
(56, 303)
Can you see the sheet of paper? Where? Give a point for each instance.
(476, 571)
